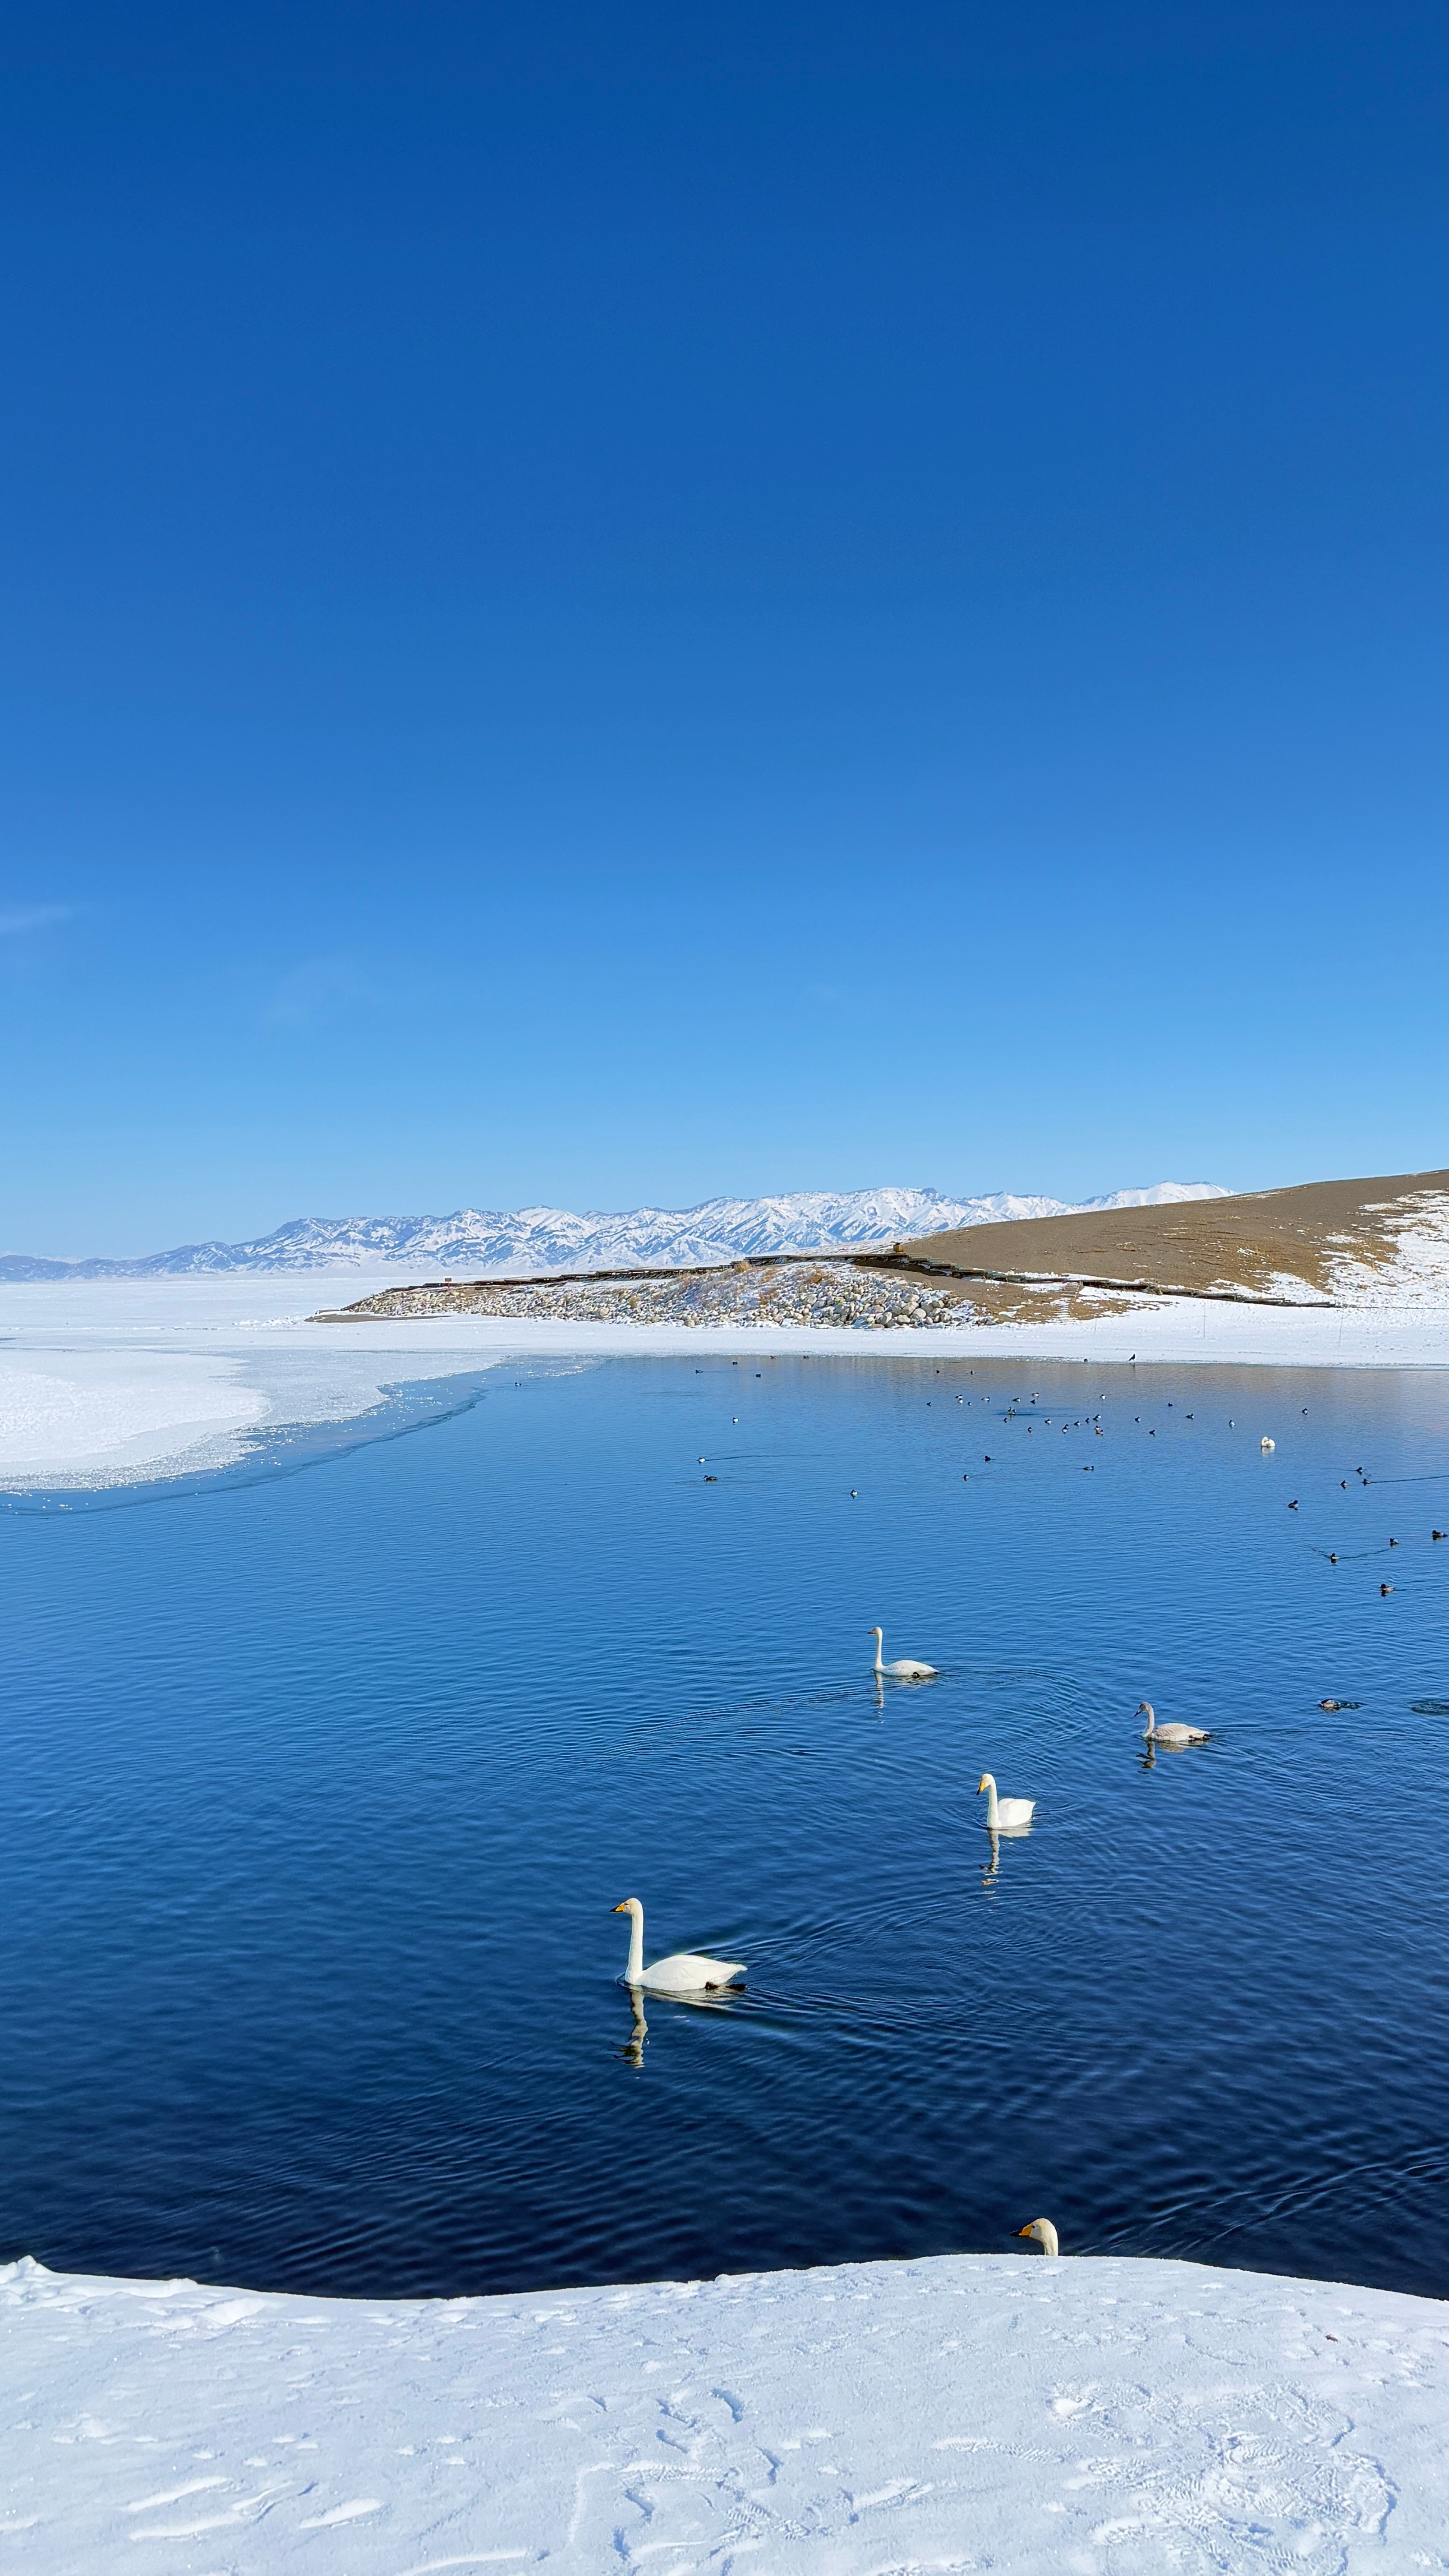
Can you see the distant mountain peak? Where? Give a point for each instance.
(483, 1242)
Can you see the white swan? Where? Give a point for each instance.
(1045, 2234)
(687, 1973)
(907, 1670)
(1004, 1815)
(1152, 1733)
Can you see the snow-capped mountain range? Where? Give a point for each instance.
(479, 1243)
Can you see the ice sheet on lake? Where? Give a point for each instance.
(115, 1381)
(969, 2411)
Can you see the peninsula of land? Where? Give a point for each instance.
(1340, 1245)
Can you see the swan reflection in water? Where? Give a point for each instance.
(1147, 1758)
(1002, 1834)
(632, 2051)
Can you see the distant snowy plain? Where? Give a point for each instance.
(1105, 2417)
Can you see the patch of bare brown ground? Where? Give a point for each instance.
(1031, 1301)
(1245, 1245)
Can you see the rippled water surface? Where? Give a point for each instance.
(318, 1789)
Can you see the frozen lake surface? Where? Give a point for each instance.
(320, 1787)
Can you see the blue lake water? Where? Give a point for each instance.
(319, 1787)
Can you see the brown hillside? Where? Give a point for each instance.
(1237, 1243)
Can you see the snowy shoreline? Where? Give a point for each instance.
(106, 1382)
(1103, 2416)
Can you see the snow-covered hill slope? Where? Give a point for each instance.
(480, 1242)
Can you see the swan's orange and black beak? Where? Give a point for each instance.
(1026, 2231)
(619, 1909)
(981, 1783)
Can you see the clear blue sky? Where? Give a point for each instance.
(611, 602)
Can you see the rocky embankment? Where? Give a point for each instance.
(808, 1292)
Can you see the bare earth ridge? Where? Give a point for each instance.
(1263, 1241)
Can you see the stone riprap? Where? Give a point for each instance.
(823, 1292)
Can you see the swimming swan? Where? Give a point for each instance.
(687, 1973)
(906, 1670)
(1003, 1815)
(1152, 1733)
(1045, 2234)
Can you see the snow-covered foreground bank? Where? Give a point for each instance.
(118, 1381)
(970, 2411)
